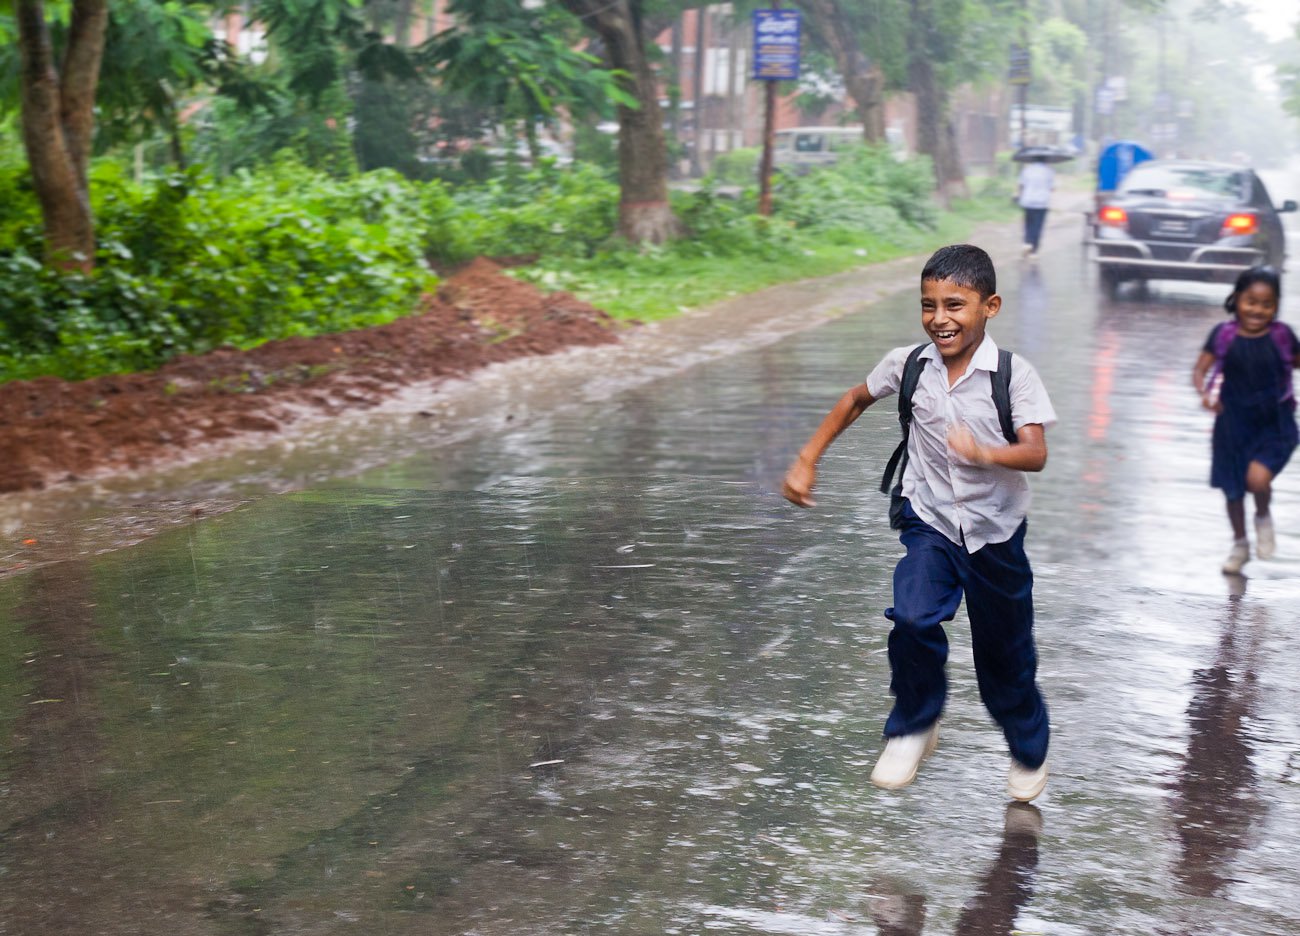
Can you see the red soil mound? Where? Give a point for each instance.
(53, 430)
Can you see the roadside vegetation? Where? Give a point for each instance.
(867, 209)
(185, 263)
(177, 177)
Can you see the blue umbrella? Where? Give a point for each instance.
(1115, 161)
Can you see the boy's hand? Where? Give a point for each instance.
(798, 485)
(1210, 403)
(962, 441)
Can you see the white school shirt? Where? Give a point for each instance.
(1036, 181)
(974, 504)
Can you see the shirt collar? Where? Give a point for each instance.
(986, 355)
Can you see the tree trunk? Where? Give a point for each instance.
(675, 92)
(697, 92)
(862, 77)
(935, 135)
(534, 144)
(644, 212)
(58, 123)
(174, 137)
(735, 85)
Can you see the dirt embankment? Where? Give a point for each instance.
(53, 430)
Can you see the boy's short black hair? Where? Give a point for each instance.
(965, 265)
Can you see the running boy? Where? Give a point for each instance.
(961, 516)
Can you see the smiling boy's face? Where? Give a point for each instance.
(954, 317)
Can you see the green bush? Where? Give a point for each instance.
(719, 226)
(736, 167)
(868, 189)
(229, 136)
(868, 205)
(544, 211)
(596, 147)
(184, 266)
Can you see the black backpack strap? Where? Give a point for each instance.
(907, 387)
(1001, 379)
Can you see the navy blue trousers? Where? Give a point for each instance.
(1034, 220)
(929, 583)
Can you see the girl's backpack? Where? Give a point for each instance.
(1282, 338)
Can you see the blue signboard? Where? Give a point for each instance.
(776, 45)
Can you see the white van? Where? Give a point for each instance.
(801, 148)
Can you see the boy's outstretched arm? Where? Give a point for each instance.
(802, 474)
(1029, 453)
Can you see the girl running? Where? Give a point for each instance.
(1244, 375)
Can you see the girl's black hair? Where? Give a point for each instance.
(1248, 278)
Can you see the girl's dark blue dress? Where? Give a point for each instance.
(1255, 425)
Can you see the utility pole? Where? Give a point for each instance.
(734, 82)
(697, 92)
(675, 96)
(1105, 102)
(1020, 73)
(1024, 114)
(769, 142)
(1162, 107)
(1024, 87)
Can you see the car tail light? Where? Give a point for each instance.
(1239, 224)
(1113, 215)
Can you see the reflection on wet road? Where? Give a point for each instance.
(593, 675)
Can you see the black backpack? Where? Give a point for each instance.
(1001, 381)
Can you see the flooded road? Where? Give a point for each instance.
(591, 674)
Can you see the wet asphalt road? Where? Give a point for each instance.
(593, 675)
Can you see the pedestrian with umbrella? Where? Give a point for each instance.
(1034, 189)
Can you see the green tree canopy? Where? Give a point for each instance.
(522, 65)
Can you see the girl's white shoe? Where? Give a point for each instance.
(1265, 542)
(1239, 556)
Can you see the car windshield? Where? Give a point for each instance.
(1185, 182)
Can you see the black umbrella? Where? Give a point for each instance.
(1049, 154)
